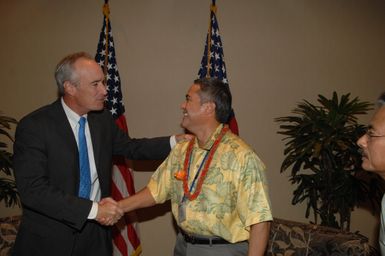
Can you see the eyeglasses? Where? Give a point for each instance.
(369, 132)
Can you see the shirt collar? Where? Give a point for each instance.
(71, 115)
(212, 138)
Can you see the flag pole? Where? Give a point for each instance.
(213, 59)
(213, 9)
(106, 13)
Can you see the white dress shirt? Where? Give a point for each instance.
(95, 194)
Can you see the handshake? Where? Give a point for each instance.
(109, 212)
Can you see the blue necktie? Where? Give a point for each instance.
(85, 176)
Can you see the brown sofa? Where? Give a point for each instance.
(286, 238)
(296, 238)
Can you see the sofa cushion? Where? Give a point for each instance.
(296, 238)
(8, 230)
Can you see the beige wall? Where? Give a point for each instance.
(277, 52)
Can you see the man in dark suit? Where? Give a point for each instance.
(56, 219)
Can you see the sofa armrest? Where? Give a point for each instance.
(296, 238)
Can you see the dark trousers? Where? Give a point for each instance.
(93, 240)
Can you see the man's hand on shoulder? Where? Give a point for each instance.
(183, 137)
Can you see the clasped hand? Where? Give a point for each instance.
(108, 212)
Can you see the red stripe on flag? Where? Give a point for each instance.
(119, 241)
(127, 177)
(123, 223)
(131, 233)
(233, 125)
(116, 193)
(121, 122)
(125, 172)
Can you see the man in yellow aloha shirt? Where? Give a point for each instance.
(216, 182)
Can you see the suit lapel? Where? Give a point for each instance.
(63, 128)
(63, 125)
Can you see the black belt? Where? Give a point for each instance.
(201, 240)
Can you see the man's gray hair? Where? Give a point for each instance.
(65, 71)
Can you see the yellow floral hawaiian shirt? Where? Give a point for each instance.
(234, 194)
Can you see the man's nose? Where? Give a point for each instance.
(103, 89)
(361, 142)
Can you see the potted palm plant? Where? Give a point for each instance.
(325, 161)
(8, 192)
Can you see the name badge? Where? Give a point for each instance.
(182, 212)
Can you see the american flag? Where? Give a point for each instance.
(125, 238)
(214, 65)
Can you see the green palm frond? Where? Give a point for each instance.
(325, 163)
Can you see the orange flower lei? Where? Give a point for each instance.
(205, 168)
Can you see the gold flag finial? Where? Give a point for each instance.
(213, 8)
(106, 10)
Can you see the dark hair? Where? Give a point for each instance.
(65, 71)
(213, 89)
(381, 100)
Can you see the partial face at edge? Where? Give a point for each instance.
(373, 156)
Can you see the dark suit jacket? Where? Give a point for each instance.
(47, 175)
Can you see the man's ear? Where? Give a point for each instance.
(69, 88)
(210, 107)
